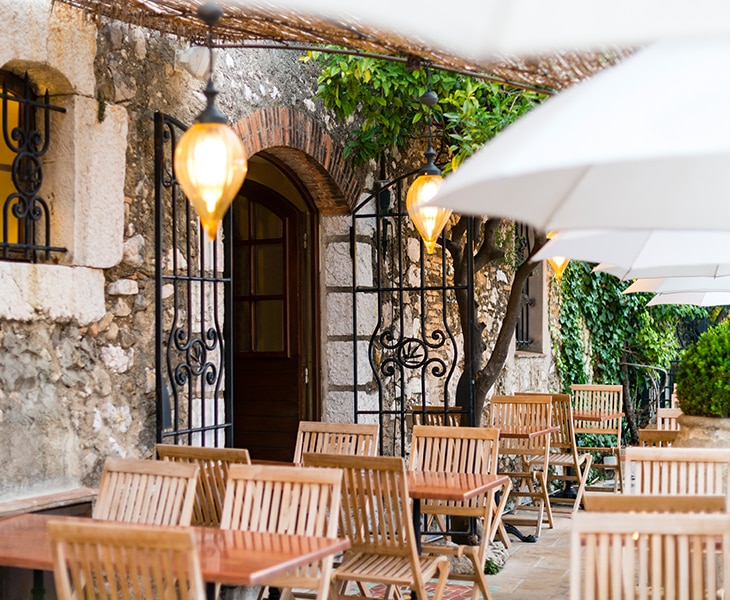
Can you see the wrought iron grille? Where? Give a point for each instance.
(523, 244)
(406, 344)
(26, 225)
(193, 295)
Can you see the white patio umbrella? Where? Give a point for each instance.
(644, 144)
(671, 285)
(632, 253)
(696, 298)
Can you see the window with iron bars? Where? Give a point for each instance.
(529, 334)
(25, 228)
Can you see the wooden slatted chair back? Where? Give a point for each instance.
(688, 471)
(436, 416)
(652, 437)
(455, 450)
(375, 513)
(152, 492)
(112, 561)
(213, 463)
(667, 419)
(523, 412)
(291, 500)
(598, 398)
(641, 555)
(336, 438)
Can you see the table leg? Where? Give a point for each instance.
(210, 591)
(417, 522)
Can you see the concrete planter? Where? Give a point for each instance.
(703, 432)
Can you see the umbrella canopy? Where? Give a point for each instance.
(644, 144)
(696, 298)
(670, 285)
(633, 253)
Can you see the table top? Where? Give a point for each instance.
(595, 415)
(433, 485)
(227, 557)
(526, 433)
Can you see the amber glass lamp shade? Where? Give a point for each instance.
(210, 166)
(429, 220)
(558, 263)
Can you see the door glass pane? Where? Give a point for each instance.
(241, 326)
(269, 316)
(268, 225)
(242, 280)
(269, 269)
(241, 215)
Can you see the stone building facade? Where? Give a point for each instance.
(77, 332)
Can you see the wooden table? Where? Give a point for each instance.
(226, 557)
(436, 485)
(527, 433)
(595, 415)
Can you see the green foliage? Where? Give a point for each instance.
(491, 567)
(620, 327)
(703, 377)
(387, 97)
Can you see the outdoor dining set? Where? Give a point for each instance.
(195, 519)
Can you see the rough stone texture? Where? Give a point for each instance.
(61, 294)
(703, 432)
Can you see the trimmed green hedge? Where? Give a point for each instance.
(703, 377)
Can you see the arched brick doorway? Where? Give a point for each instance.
(275, 316)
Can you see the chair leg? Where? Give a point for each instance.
(582, 477)
(443, 570)
(477, 556)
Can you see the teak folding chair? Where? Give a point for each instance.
(601, 399)
(678, 471)
(213, 463)
(153, 492)
(336, 438)
(574, 466)
(283, 499)
(517, 417)
(667, 419)
(642, 555)
(461, 450)
(376, 516)
(437, 415)
(112, 561)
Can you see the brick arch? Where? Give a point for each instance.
(308, 150)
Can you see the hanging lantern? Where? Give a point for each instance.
(558, 263)
(428, 220)
(210, 162)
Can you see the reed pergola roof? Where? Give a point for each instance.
(247, 26)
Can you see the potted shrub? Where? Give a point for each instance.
(703, 390)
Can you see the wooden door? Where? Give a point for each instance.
(269, 329)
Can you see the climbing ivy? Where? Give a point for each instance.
(601, 329)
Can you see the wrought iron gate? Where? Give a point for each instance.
(407, 345)
(194, 389)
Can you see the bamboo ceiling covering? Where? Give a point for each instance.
(247, 26)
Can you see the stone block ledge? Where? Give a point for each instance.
(36, 292)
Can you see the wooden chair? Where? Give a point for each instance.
(336, 438)
(667, 419)
(662, 438)
(376, 516)
(679, 471)
(461, 450)
(283, 499)
(153, 492)
(609, 502)
(641, 555)
(515, 415)
(213, 463)
(435, 415)
(574, 466)
(109, 561)
(605, 399)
